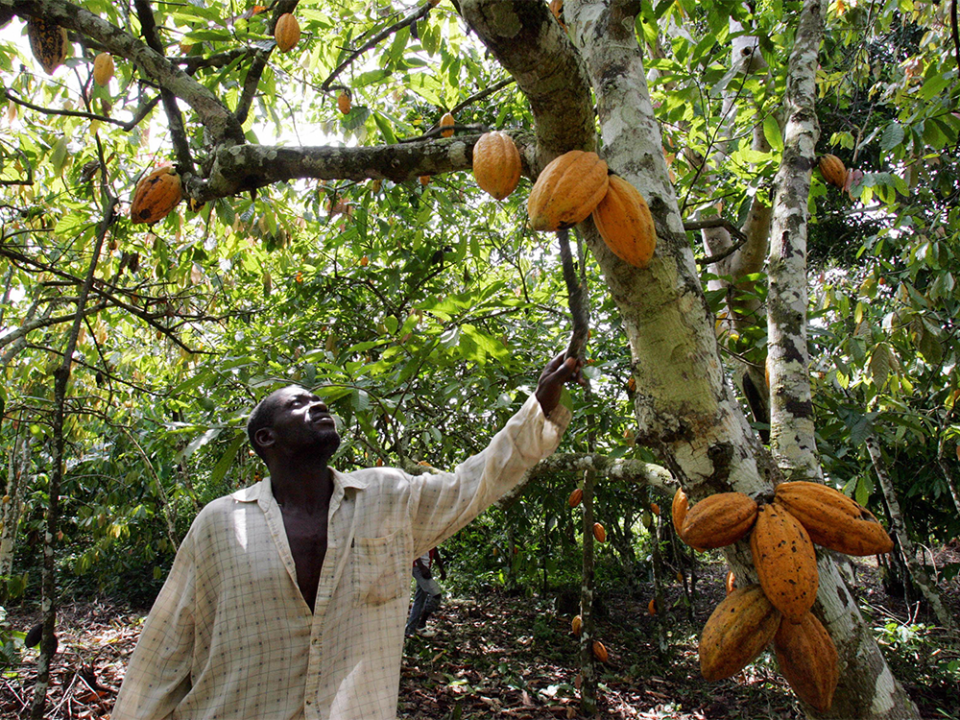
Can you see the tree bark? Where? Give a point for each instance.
(792, 437)
(948, 474)
(61, 379)
(18, 468)
(918, 575)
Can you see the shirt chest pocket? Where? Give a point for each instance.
(380, 569)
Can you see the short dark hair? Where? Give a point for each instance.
(261, 417)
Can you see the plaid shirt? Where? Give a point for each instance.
(231, 637)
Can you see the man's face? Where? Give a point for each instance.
(300, 421)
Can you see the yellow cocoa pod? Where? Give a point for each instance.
(679, 509)
(832, 519)
(287, 32)
(786, 561)
(156, 195)
(736, 632)
(567, 191)
(103, 68)
(625, 223)
(575, 498)
(599, 533)
(833, 171)
(344, 103)
(808, 660)
(719, 520)
(48, 41)
(599, 651)
(496, 164)
(576, 625)
(447, 122)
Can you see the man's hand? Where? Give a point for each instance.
(554, 375)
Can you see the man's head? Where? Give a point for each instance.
(292, 420)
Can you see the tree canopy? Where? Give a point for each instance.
(344, 245)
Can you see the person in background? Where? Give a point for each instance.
(426, 600)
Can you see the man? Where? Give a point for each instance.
(288, 599)
(426, 600)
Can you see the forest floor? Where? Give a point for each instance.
(515, 657)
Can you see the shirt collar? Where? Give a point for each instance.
(262, 488)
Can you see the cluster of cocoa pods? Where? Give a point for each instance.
(578, 184)
(782, 537)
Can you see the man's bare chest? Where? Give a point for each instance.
(307, 538)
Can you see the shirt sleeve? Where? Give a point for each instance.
(448, 501)
(158, 675)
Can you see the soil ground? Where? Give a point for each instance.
(515, 657)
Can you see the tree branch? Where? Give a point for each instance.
(247, 167)
(219, 122)
(142, 113)
(374, 41)
(634, 471)
(178, 133)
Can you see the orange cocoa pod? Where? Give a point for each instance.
(730, 583)
(832, 519)
(808, 660)
(287, 32)
(424, 180)
(719, 520)
(833, 170)
(103, 68)
(576, 625)
(679, 509)
(344, 103)
(567, 191)
(575, 498)
(447, 122)
(599, 651)
(786, 561)
(599, 533)
(738, 630)
(652, 606)
(496, 164)
(625, 223)
(655, 509)
(156, 195)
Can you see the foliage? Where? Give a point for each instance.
(422, 314)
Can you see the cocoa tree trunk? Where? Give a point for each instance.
(18, 469)
(918, 575)
(61, 379)
(948, 473)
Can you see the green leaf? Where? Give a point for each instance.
(880, 364)
(226, 460)
(58, 155)
(771, 131)
(892, 136)
(934, 86)
(384, 126)
(198, 442)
